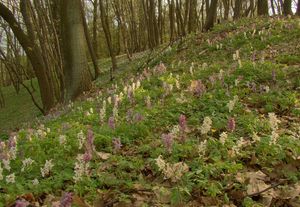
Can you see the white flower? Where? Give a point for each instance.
(274, 137)
(62, 139)
(223, 137)
(255, 137)
(202, 148)
(206, 126)
(109, 100)
(115, 112)
(273, 121)
(160, 163)
(10, 178)
(232, 103)
(81, 139)
(47, 168)
(35, 181)
(26, 163)
(81, 168)
(6, 164)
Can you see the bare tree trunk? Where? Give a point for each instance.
(237, 9)
(298, 8)
(211, 15)
(105, 25)
(262, 8)
(287, 7)
(77, 76)
(89, 44)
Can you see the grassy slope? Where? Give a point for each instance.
(130, 177)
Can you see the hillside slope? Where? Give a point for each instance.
(213, 121)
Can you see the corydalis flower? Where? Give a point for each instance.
(182, 123)
(232, 103)
(138, 117)
(231, 124)
(117, 144)
(273, 121)
(81, 139)
(81, 168)
(202, 148)
(111, 122)
(22, 203)
(197, 87)
(223, 138)
(45, 171)
(26, 163)
(62, 139)
(171, 171)
(66, 200)
(11, 178)
(206, 126)
(168, 141)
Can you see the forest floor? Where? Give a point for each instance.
(213, 121)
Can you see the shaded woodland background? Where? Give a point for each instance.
(59, 42)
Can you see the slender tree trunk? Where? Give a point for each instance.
(89, 44)
(237, 9)
(298, 8)
(211, 15)
(105, 25)
(287, 7)
(262, 8)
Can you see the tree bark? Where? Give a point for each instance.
(211, 15)
(298, 8)
(262, 8)
(287, 7)
(76, 73)
(107, 33)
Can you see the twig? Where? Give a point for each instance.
(264, 190)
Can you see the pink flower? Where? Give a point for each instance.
(182, 123)
(22, 203)
(168, 141)
(66, 200)
(231, 124)
(111, 122)
(117, 144)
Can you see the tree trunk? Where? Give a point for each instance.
(76, 73)
(287, 7)
(262, 8)
(105, 25)
(210, 19)
(36, 59)
(298, 8)
(237, 9)
(89, 44)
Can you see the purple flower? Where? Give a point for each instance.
(182, 123)
(12, 141)
(22, 203)
(138, 117)
(168, 141)
(198, 88)
(129, 115)
(90, 139)
(111, 122)
(231, 124)
(117, 144)
(66, 200)
(212, 79)
(87, 156)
